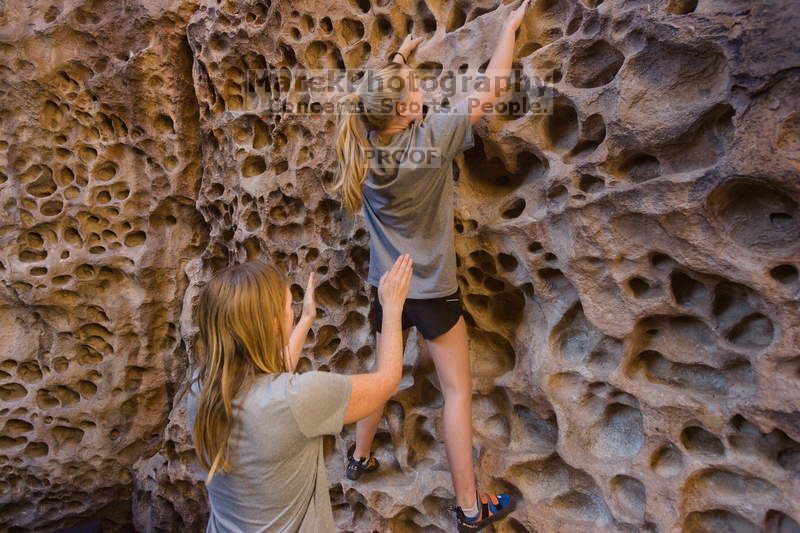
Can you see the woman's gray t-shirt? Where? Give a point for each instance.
(408, 200)
(278, 481)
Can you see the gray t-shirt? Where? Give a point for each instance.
(408, 200)
(278, 480)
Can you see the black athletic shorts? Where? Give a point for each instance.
(431, 316)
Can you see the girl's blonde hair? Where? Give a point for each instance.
(238, 339)
(362, 109)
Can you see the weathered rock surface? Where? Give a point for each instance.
(629, 262)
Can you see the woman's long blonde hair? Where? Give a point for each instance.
(362, 109)
(238, 339)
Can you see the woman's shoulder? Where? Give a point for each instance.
(310, 378)
(280, 387)
(286, 388)
(271, 382)
(265, 389)
(313, 382)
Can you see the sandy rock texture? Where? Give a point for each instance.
(629, 261)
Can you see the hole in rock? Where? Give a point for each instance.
(363, 5)
(457, 18)
(218, 42)
(575, 22)
(561, 126)
(508, 262)
(593, 133)
(429, 70)
(619, 433)
(43, 187)
(557, 194)
(581, 506)
(640, 167)
(681, 7)
(514, 209)
(428, 20)
(574, 337)
(779, 219)
(654, 86)
(383, 27)
(493, 355)
(778, 522)
(479, 12)
(686, 290)
(696, 377)
(51, 208)
(491, 177)
(493, 284)
(506, 307)
(786, 274)
(667, 461)
(639, 287)
(698, 440)
(104, 171)
(591, 184)
(756, 215)
(516, 103)
(164, 124)
(528, 49)
(704, 143)
(594, 65)
(717, 521)
(736, 309)
(753, 332)
(534, 247)
(628, 496)
(351, 30)
(484, 260)
(253, 166)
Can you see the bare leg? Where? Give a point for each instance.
(366, 427)
(450, 354)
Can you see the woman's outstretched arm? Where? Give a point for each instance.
(499, 66)
(370, 391)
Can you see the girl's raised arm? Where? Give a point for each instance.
(372, 390)
(499, 66)
(300, 332)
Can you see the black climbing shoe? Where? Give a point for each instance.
(493, 507)
(357, 467)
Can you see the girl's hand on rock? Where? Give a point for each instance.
(410, 43)
(515, 19)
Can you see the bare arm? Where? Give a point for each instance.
(499, 66)
(371, 390)
(296, 341)
(300, 332)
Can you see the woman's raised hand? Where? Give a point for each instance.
(393, 286)
(515, 18)
(410, 44)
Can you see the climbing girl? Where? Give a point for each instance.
(407, 203)
(257, 426)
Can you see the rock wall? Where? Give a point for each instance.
(629, 261)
